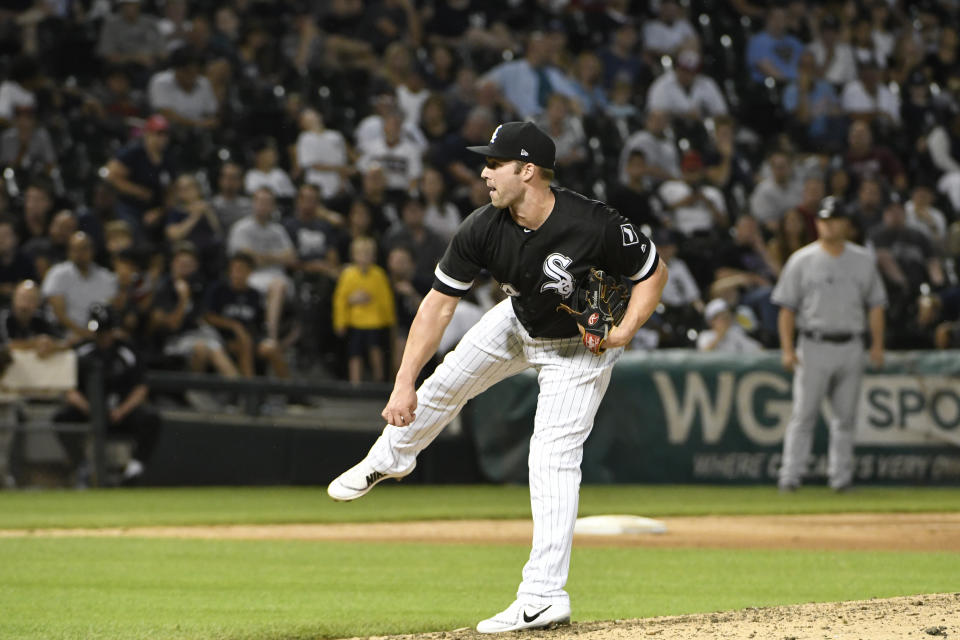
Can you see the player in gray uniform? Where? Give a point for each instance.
(828, 292)
(538, 241)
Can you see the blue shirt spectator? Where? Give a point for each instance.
(773, 52)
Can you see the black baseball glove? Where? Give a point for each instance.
(599, 302)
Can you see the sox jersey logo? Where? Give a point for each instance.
(555, 267)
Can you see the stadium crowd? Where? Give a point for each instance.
(264, 186)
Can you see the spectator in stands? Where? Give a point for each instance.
(400, 159)
(773, 53)
(230, 203)
(566, 129)
(944, 146)
(236, 310)
(182, 95)
(115, 102)
(62, 227)
(791, 234)
(691, 205)
(745, 271)
(440, 214)
(27, 146)
(37, 209)
(905, 255)
(141, 173)
(315, 232)
(681, 289)
(134, 296)
(364, 311)
(175, 24)
(462, 167)
(426, 245)
(266, 173)
(866, 210)
(176, 317)
(15, 266)
(127, 412)
(863, 158)
(776, 194)
(867, 98)
(118, 238)
(923, 216)
(814, 107)
(620, 60)
(591, 91)
(19, 87)
(669, 32)
(380, 208)
(408, 293)
(130, 38)
(273, 253)
(658, 146)
(528, 82)
(632, 198)
(24, 325)
(832, 55)
(685, 92)
(724, 335)
(71, 287)
(322, 156)
(191, 217)
(93, 218)
(729, 168)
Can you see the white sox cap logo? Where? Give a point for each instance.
(493, 138)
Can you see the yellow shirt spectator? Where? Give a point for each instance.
(363, 299)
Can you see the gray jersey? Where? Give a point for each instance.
(830, 293)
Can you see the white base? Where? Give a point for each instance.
(617, 525)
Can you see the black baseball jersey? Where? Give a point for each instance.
(540, 269)
(123, 370)
(245, 306)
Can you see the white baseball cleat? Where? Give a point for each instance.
(356, 481)
(519, 616)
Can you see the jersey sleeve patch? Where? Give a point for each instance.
(629, 234)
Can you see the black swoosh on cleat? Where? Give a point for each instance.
(527, 618)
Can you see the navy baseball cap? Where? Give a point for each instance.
(831, 207)
(522, 141)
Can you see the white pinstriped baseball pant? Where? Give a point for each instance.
(572, 383)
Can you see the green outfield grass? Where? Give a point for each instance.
(124, 589)
(26, 509)
(128, 588)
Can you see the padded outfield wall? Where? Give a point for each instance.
(682, 416)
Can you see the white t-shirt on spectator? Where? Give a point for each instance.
(659, 152)
(411, 103)
(663, 38)
(681, 288)
(401, 163)
(326, 147)
(276, 179)
(666, 94)
(12, 95)
(938, 221)
(843, 65)
(444, 220)
(856, 100)
(694, 217)
(79, 292)
(165, 93)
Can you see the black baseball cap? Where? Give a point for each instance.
(831, 207)
(522, 141)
